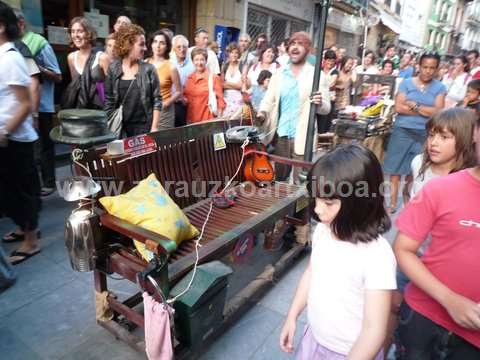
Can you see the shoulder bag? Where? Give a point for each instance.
(115, 119)
(212, 98)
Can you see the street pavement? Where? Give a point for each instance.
(49, 313)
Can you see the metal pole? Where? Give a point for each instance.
(322, 20)
(365, 34)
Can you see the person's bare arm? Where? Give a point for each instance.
(35, 93)
(104, 62)
(376, 311)
(178, 88)
(463, 311)
(71, 67)
(50, 75)
(298, 305)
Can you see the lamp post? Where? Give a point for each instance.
(322, 15)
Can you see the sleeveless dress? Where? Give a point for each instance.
(233, 97)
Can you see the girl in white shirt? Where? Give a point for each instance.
(347, 284)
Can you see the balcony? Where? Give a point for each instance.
(472, 12)
(357, 4)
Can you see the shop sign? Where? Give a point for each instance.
(58, 35)
(99, 22)
(301, 9)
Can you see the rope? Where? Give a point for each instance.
(244, 145)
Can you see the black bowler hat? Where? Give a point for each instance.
(82, 127)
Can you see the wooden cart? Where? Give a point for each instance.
(187, 155)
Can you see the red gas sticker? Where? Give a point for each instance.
(243, 248)
(138, 145)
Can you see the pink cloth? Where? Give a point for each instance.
(158, 339)
(310, 349)
(447, 208)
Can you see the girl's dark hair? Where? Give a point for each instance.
(353, 175)
(368, 52)
(344, 61)
(264, 49)
(330, 54)
(474, 84)
(387, 62)
(168, 42)
(429, 55)
(9, 20)
(464, 60)
(264, 75)
(460, 122)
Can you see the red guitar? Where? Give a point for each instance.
(258, 168)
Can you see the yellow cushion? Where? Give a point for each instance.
(148, 205)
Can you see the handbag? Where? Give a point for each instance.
(212, 98)
(115, 119)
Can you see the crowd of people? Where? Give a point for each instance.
(161, 82)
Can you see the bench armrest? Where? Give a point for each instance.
(153, 241)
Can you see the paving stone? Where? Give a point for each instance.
(12, 347)
(98, 345)
(245, 336)
(57, 321)
(36, 278)
(270, 349)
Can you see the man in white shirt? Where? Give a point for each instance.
(201, 41)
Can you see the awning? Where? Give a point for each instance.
(390, 22)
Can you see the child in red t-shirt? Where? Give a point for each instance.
(441, 313)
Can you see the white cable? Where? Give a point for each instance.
(197, 242)
(197, 258)
(245, 143)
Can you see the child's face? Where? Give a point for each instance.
(441, 146)
(472, 94)
(327, 209)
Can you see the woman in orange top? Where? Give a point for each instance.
(196, 90)
(170, 88)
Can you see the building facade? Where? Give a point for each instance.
(389, 25)
(440, 26)
(468, 25)
(345, 26)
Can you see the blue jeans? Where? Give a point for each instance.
(422, 339)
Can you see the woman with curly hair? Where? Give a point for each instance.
(88, 67)
(133, 83)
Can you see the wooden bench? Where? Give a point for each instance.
(185, 157)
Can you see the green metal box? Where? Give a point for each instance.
(200, 310)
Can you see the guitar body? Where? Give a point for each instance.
(258, 168)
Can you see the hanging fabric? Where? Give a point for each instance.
(158, 337)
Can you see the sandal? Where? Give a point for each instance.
(12, 237)
(23, 256)
(46, 191)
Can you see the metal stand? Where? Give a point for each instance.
(322, 20)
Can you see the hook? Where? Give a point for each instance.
(157, 287)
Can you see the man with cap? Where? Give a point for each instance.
(201, 41)
(284, 111)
